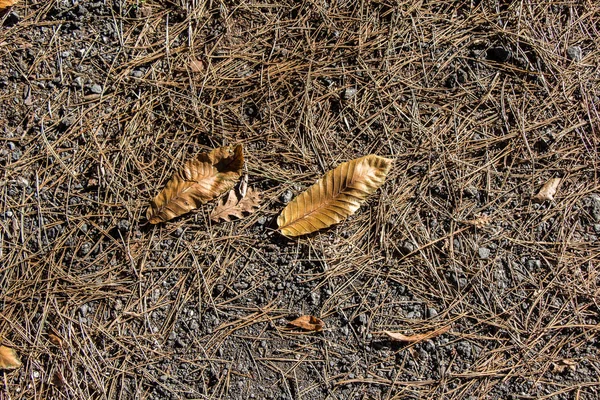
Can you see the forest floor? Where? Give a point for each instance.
(479, 104)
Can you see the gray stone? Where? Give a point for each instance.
(349, 93)
(574, 53)
(484, 253)
(595, 207)
(85, 248)
(78, 82)
(96, 89)
(432, 312)
(83, 310)
(287, 196)
(534, 264)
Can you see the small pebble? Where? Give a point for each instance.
(83, 310)
(194, 325)
(286, 197)
(137, 74)
(432, 312)
(85, 248)
(349, 93)
(315, 297)
(484, 253)
(123, 225)
(78, 82)
(534, 264)
(96, 89)
(574, 53)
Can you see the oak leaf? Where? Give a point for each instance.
(335, 196)
(234, 206)
(7, 3)
(309, 323)
(199, 181)
(397, 336)
(8, 358)
(547, 191)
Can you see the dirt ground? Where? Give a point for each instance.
(478, 102)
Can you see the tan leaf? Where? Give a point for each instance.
(561, 365)
(8, 358)
(547, 191)
(201, 180)
(233, 206)
(418, 337)
(7, 3)
(196, 66)
(335, 196)
(479, 222)
(309, 323)
(55, 340)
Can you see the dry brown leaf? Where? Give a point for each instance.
(7, 3)
(196, 66)
(8, 358)
(55, 340)
(233, 206)
(335, 196)
(201, 180)
(547, 191)
(309, 323)
(562, 365)
(418, 337)
(479, 222)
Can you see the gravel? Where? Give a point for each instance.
(574, 53)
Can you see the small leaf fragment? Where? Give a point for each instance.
(235, 207)
(196, 66)
(199, 181)
(55, 340)
(480, 221)
(397, 336)
(337, 195)
(309, 323)
(561, 365)
(547, 191)
(7, 3)
(9, 359)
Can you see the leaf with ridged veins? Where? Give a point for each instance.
(335, 196)
(200, 180)
(232, 206)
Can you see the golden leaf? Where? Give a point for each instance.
(335, 196)
(201, 180)
(418, 337)
(8, 358)
(233, 206)
(7, 3)
(547, 191)
(309, 323)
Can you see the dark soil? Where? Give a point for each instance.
(479, 103)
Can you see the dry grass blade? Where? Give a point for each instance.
(7, 3)
(309, 323)
(335, 196)
(547, 191)
(8, 358)
(234, 207)
(201, 180)
(397, 336)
